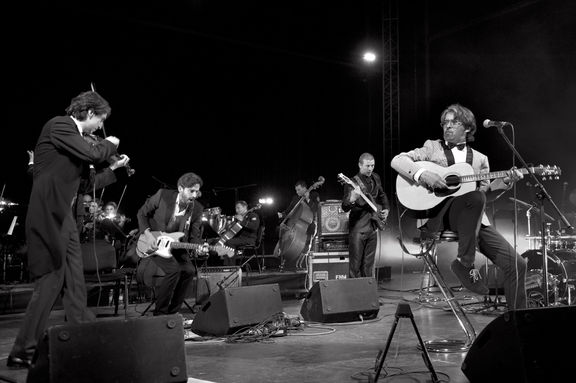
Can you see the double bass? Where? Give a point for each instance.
(294, 227)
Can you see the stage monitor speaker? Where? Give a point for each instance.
(144, 350)
(211, 279)
(532, 345)
(333, 220)
(341, 300)
(231, 309)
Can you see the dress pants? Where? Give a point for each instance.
(68, 281)
(495, 247)
(362, 250)
(180, 272)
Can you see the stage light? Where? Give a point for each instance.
(266, 201)
(369, 57)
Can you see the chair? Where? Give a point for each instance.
(101, 270)
(248, 252)
(428, 247)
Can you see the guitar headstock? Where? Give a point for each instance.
(224, 250)
(550, 172)
(344, 180)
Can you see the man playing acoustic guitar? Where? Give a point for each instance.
(464, 214)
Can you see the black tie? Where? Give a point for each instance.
(459, 146)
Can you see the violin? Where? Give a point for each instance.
(93, 139)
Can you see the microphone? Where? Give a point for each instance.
(495, 124)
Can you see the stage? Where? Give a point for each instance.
(334, 352)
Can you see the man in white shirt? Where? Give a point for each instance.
(464, 214)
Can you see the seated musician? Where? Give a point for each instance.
(172, 211)
(464, 214)
(250, 222)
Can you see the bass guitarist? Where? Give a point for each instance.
(362, 226)
(465, 214)
(172, 211)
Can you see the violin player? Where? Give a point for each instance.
(61, 157)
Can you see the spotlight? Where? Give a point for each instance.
(369, 57)
(266, 201)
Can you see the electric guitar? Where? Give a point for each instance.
(165, 242)
(377, 209)
(460, 179)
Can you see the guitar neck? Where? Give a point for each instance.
(368, 200)
(187, 246)
(491, 175)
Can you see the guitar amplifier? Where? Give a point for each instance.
(212, 279)
(333, 220)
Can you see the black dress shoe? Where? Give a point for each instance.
(17, 363)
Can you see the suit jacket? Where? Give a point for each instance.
(61, 157)
(158, 210)
(360, 212)
(433, 151)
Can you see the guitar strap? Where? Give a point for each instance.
(450, 156)
(188, 215)
(363, 186)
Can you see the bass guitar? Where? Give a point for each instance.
(235, 227)
(377, 216)
(165, 242)
(460, 179)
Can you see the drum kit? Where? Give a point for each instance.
(561, 263)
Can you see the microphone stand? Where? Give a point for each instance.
(542, 196)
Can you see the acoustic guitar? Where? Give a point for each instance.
(165, 242)
(460, 179)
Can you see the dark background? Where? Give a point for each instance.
(267, 93)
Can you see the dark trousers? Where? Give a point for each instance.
(495, 247)
(465, 216)
(68, 281)
(171, 293)
(362, 250)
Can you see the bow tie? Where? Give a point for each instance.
(458, 146)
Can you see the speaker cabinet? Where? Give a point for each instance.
(333, 220)
(145, 350)
(532, 345)
(232, 309)
(211, 279)
(341, 300)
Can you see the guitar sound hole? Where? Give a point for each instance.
(452, 180)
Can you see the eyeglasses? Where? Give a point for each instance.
(455, 123)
